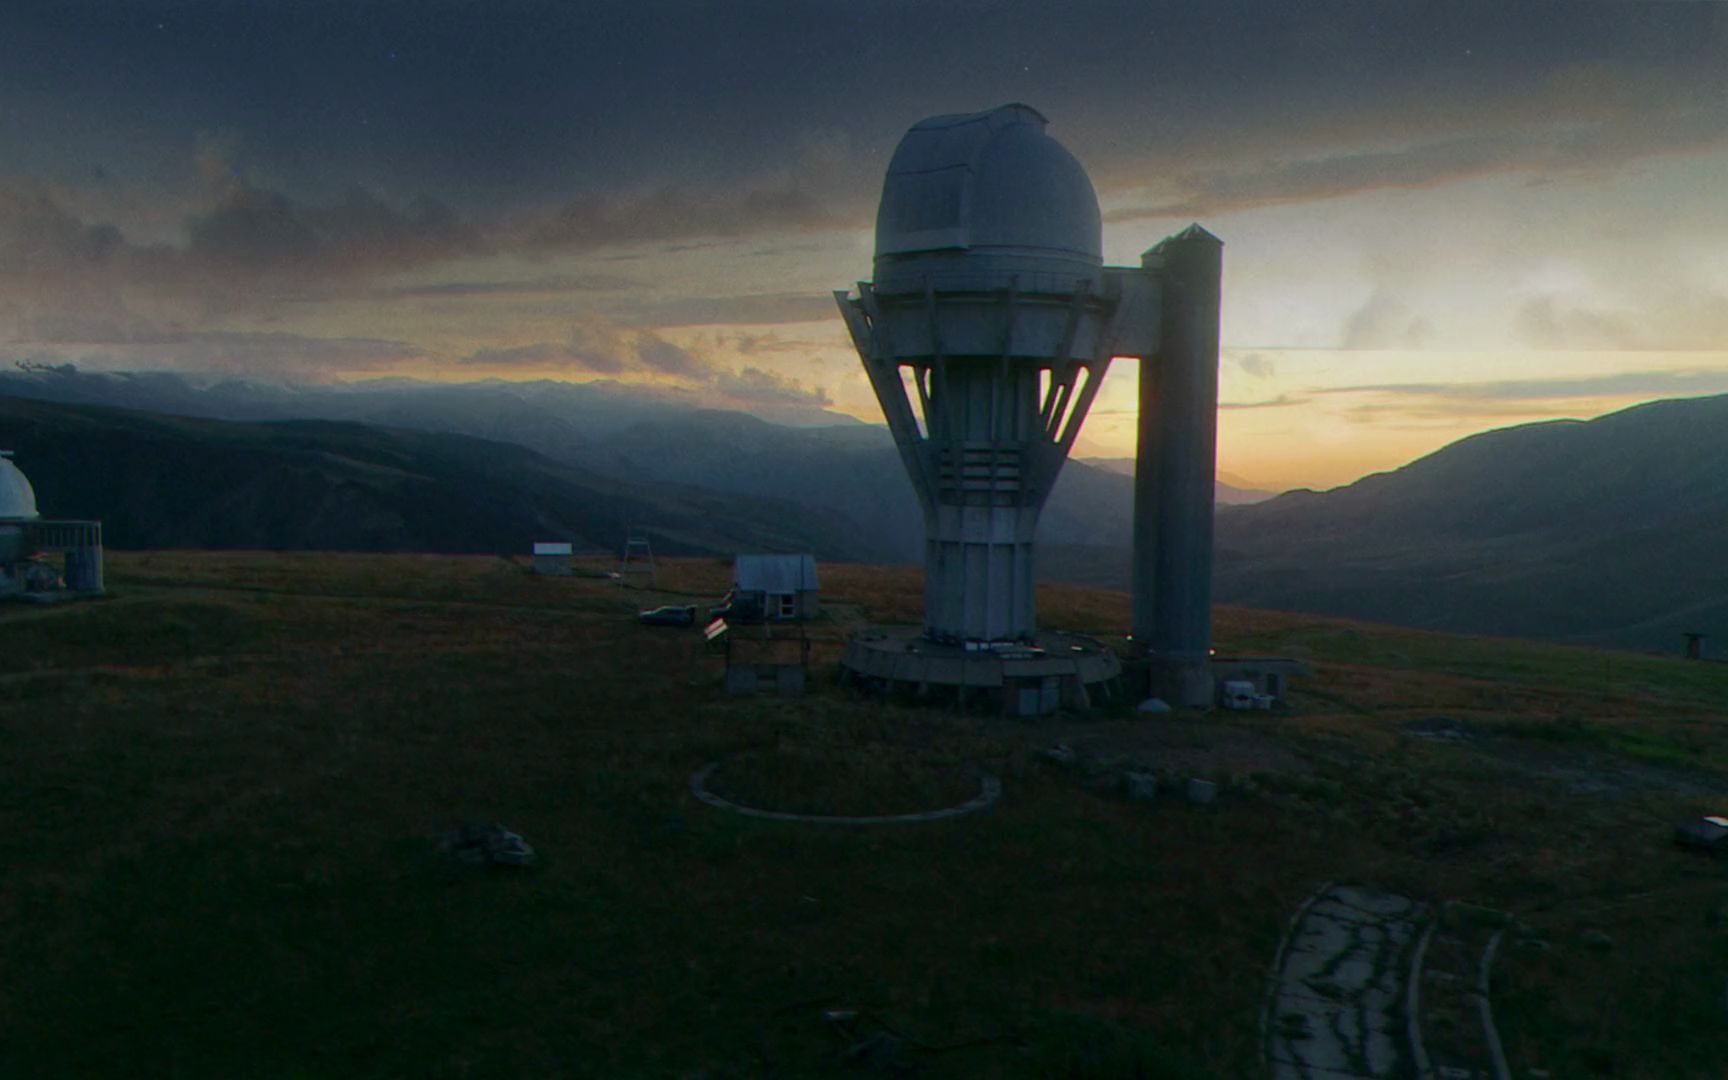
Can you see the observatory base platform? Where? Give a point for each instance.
(1056, 670)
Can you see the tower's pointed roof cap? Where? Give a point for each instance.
(1192, 233)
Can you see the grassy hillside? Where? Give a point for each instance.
(1606, 531)
(222, 782)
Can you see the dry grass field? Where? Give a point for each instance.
(222, 782)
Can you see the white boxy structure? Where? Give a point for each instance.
(552, 558)
(985, 335)
(781, 587)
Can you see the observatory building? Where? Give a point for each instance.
(27, 540)
(985, 335)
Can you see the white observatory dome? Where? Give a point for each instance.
(991, 187)
(17, 497)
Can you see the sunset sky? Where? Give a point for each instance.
(1439, 218)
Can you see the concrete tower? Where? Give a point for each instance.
(1176, 469)
(981, 338)
(985, 335)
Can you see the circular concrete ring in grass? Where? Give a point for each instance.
(989, 790)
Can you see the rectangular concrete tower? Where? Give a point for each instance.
(1175, 470)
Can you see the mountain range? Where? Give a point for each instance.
(1229, 490)
(1608, 531)
(158, 481)
(633, 435)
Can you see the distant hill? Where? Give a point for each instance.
(554, 417)
(1609, 531)
(638, 434)
(853, 470)
(167, 481)
(1228, 490)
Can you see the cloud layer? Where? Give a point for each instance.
(599, 347)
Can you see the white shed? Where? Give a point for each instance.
(780, 586)
(552, 558)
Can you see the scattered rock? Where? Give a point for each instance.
(880, 1052)
(1152, 706)
(1140, 787)
(1201, 791)
(1437, 729)
(1060, 754)
(1706, 834)
(483, 845)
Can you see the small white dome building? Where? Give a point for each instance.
(17, 497)
(28, 540)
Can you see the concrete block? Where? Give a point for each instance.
(1140, 787)
(1201, 791)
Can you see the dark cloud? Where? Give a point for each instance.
(297, 355)
(1384, 322)
(57, 271)
(1672, 318)
(1554, 149)
(753, 386)
(607, 220)
(267, 239)
(1279, 402)
(523, 105)
(324, 152)
(1425, 415)
(38, 235)
(521, 287)
(1253, 185)
(542, 354)
(1257, 365)
(63, 278)
(604, 348)
(816, 305)
(1543, 323)
(1661, 383)
(754, 343)
(662, 356)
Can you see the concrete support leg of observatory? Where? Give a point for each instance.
(1175, 471)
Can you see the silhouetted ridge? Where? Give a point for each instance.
(1608, 530)
(170, 481)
